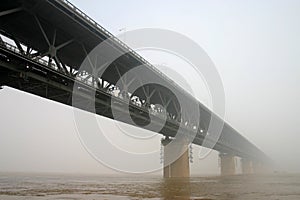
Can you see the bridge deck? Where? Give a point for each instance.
(39, 24)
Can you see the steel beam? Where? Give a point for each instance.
(7, 12)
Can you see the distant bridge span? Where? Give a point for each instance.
(64, 35)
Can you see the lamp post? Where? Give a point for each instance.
(124, 29)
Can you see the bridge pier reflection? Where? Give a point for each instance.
(176, 188)
(180, 168)
(227, 164)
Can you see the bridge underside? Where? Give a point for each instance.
(57, 87)
(48, 42)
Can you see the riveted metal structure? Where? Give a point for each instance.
(49, 40)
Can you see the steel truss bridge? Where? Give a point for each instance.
(44, 42)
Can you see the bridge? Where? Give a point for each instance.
(43, 43)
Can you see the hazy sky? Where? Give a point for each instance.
(255, 46)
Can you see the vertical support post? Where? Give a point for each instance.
(256, 167)
(227, 164)
(19, 46)
(260, 168)
(246, 166)
(180, 168)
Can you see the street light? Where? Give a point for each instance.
(124, 29)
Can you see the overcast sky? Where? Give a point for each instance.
(255, 46)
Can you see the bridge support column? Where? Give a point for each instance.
(246, 166)
(227, 164)
(259, 168)
(180, 168)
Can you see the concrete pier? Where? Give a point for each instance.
(257, 169)
(246, 166)
(227, 164)
(175, 168)
(260, 168)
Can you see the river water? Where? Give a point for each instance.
(88, 187)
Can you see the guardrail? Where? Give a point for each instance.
(110, 35)
(37, 59)
(82, 79)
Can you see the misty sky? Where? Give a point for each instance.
(255, 46)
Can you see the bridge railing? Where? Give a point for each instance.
(10, 47)
(110, 35)
(82, 79)
(37, 59)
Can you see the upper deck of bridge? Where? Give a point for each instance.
(26, 18)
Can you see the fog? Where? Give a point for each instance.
(255, 46)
